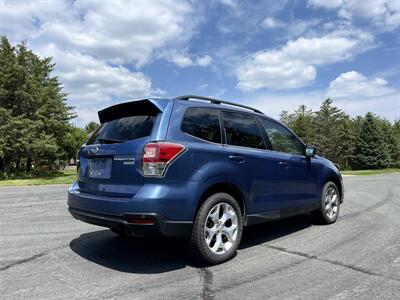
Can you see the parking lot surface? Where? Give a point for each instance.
(45, 253)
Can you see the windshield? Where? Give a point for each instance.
(122, 130)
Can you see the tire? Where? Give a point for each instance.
(328, 211)
(217, 229)
(121, 233)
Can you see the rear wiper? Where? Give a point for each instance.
(109, 141)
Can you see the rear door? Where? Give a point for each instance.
(109, 163)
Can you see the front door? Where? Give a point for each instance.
(251, 166)
(300, 171)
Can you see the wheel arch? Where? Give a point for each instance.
(338, 184)
(228, 188)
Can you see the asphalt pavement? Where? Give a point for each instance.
(45, 253)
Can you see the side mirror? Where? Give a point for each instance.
(311, 151)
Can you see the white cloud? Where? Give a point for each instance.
(336, 46)
(291, 29)
(384, 14)
(294, 65)
(114, 31)
(204, 60)
(20, 19)
(93, 83)
(328, 4)
(202, 87)
(271, 69)
(180, 59)
(271, 23)
(183, 59)
(353, 85)
(96, 44)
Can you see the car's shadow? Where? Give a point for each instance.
(158, 255)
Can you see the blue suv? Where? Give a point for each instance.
(198, 168)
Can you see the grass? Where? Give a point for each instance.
(370, 172)
(66, 176)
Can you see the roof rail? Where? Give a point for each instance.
(216, 101)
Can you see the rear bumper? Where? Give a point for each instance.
(128, 222)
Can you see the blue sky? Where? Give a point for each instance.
(274, 55)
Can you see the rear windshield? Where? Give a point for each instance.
(122, 130)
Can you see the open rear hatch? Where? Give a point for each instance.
(109, 164)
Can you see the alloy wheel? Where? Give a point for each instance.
(331, 202)
(221, 228)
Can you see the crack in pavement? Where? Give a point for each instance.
(22, 261)
(36, 256)
(206, 278)
(334, 262)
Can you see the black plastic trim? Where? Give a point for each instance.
(161, 227)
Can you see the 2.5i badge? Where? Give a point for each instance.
(125, 159)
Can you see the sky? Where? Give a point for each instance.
(273, 55)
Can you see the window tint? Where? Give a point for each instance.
(242, 130)
(282, 139)
(202, 123)
(122, 130)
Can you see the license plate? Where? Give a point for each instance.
(100, 168)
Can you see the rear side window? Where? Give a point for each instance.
(202, 123)
(122, 130)
(282, 139)
(242, 130)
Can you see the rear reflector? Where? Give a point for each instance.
(141, 221)
(157, 156)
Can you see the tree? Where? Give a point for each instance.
(391, 159)
(346, 142)
(370, 149)
(35, 116)
(91, 127)
(73, 140)
(326, 127)
(302, 124)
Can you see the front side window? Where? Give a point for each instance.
(282, 139)
(242, 130)
(202, 123)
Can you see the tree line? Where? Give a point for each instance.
(362, 142)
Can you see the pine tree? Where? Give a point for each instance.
(370, 152)
(391, 146)
(326, 127)
(346, 141)
(302, 124)
(34, 110)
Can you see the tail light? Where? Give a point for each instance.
(157, 156)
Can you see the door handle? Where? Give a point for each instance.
(237, 158)
(284, 164)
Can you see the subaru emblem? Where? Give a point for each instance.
(93, 150)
